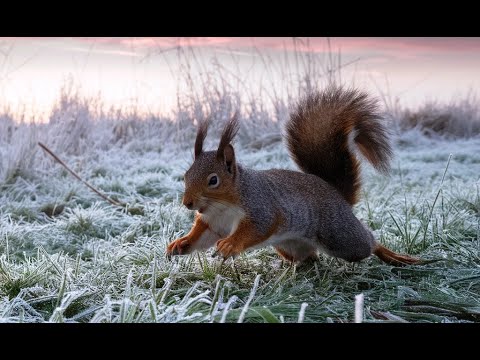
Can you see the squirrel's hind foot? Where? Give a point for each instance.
(297, 258)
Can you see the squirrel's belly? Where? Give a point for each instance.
(223, 219)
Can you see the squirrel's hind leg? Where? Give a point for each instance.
(296, 251)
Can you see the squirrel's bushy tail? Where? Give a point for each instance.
(321, 128)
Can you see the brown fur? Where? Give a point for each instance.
(284, 254)
(244, 237)
(287, 256)
(393, 258)
(229, 195)
(318, 133)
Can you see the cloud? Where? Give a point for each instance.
(104, 51)
(408, 48)
(371, 46)
(235, 52)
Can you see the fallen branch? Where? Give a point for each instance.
(103, 196)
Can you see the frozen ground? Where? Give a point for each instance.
(95, 262)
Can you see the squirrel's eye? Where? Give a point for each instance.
(213, 181)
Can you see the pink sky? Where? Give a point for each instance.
(413, 69)
(394, 45)
(389, 45)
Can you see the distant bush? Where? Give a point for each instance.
(459, 119)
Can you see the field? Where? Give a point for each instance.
(66, 255)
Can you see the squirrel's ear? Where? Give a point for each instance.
(229, 158)
(225, 152)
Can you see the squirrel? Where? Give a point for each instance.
(298, 213)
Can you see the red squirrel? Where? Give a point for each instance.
(298, 213)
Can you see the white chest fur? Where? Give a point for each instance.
(223, 219)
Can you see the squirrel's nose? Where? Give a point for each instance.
(188, 201)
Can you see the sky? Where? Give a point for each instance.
(145, 72)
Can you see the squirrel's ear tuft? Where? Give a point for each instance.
(228, 134)
(201, 135)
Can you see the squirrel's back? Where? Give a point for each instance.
(322, 130)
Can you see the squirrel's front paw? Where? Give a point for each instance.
(179, 247)
(227, 248)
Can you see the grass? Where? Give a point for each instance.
(94, 262)
(459, 118)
